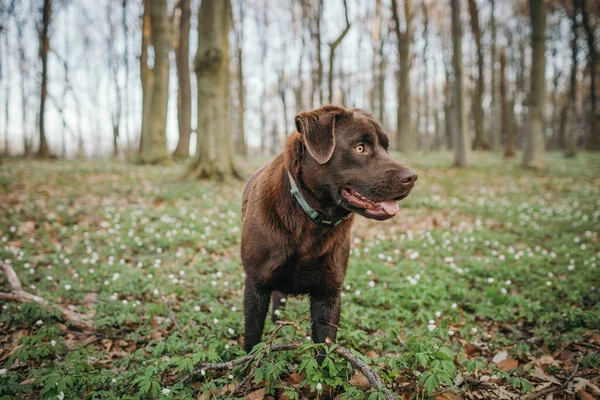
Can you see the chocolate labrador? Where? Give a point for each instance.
(298, 210)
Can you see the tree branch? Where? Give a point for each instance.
(359, 365)
(18, 295)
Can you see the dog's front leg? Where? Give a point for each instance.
(325, 313)
(256, 305)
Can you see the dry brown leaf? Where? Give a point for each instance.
(585, 396)
(508, 364)
(107, 344)
(27, 227)
(256, 395)
(595, 339)
(359, 380)
(448, 396)
(295, 378)
(540, 374)
(155, 335)
(543, 361)
(90, 298)
(372, 354)
(28, 381)
(472, 350)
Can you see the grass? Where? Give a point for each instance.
(483, 264)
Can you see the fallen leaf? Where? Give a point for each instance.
(540, 374)
(506, 395)
(372, 354)
(500, 356)
(155, 335)
(585, 396)
(508, 364)
(359, 380)
(28, 381)
(256, 395)
(27, 227)
(107, 344)
(448, 396)
(295, 378)
(595, 339)
(472, 350)
(543, 361)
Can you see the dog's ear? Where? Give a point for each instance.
(317, 128)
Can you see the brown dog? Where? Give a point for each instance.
(297, 213)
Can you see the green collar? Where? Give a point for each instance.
(316, 216)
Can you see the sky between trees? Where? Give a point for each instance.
(95, 48)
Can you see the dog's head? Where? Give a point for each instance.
(349, 161)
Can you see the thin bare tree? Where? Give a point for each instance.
(462, 146)
(594, 114)
(44, 40)
(146, 76)
(480, 142)
(571, 106)
(494, 137)
(405, 136)
(507, 128)
(184, 88)
(533, 151)
(332, 47)
(240, 142)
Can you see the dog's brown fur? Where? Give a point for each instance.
(283, 250)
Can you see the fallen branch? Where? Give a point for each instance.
(18, 295)
(359, 365)
(261, 355)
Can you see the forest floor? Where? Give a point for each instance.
(486, 286)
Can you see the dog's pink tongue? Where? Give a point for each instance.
(390, 207)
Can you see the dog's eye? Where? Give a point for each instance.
(360, 148)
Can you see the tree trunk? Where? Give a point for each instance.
(571, 109)
(332, 47)
(495, 109)
(214, 152)
(44, 151)
(381, 83)
(146, 75)
(154, 150)
(533, 155)
(557, 73)
(4, 75)
(240, 144)
(462, 148)
(22, 81)
(126, 63)
(262, 28)
(506, 108)
(594, 138)
(405, 137)
(376, 42)
(479, 143)
(319, 82)
(184, 90)
(427, 142)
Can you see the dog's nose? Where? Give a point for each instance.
(407, 176)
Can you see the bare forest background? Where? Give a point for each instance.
(156, 80)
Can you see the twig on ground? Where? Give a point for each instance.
(261, 355)
(18, 295)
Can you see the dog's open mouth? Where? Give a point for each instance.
(378, 209)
